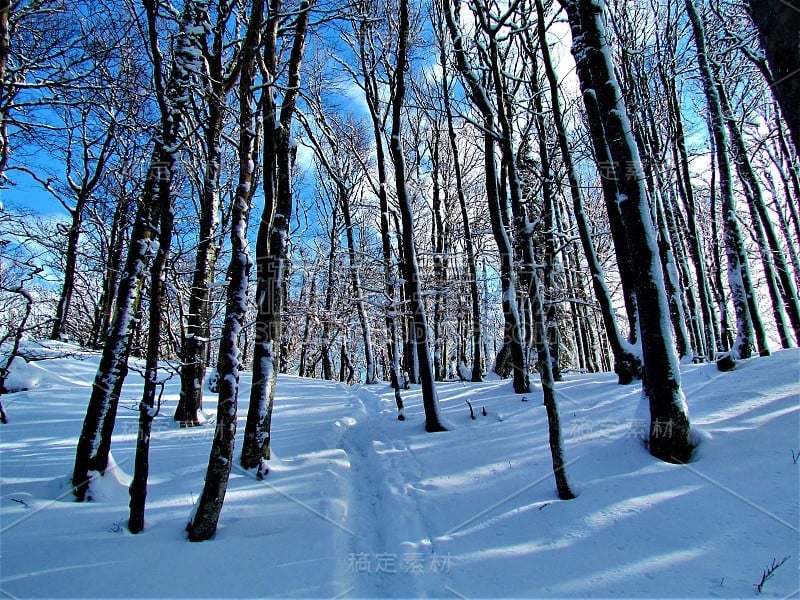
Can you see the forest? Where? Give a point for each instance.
(401, 194)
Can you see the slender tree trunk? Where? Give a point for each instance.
(111, 276)
(372, 97)
(413, 284)
(204, 521)
(304, 348)
(327, 320)
(198, 328)
(173, 100)
(147, 406)
(738, 269)
(371, 375)
(70, 270)
(469, 244)
(686, 192)
(551, 334)
(779, 278)
(94, 443)
(513, 334)
(273, 240)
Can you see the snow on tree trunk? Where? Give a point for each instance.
(273, 239)
(670, 435)
(513, 333)
(738, 269)
(205, 517)
(627, 363)
(469, 244)
(174, 100)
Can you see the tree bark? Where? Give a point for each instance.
(513, 334)
(627, 363)
(778, 24)
(413, 284)
(469, 243)
(273, 238)
(670, 435)
(204, 521)
(738, 270)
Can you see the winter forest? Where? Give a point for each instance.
(323, 250)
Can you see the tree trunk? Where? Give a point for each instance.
(469, 244)
(778, 24)
(627, 363)
(686, 192)
(111, 275)
(273, 240)
(776, 270)
(413, 285)
(513, 334)
(670, 435)
(372, 97)
(94, 442)
(173, 101)
(70, 270)
(204, 521)
(738, 269)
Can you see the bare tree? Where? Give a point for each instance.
(612, 132)
(273, 234)
(204, 521)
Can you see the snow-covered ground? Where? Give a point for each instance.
(359, 504)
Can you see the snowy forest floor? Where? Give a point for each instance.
(358, 504)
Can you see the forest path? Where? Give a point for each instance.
(390, 550)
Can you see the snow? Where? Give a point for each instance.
(360, 504)
(22, 375)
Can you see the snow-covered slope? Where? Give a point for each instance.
(359, 504)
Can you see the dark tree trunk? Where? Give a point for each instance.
(670, 435)
(738, 269)
(627, 365)
(328, 332)
(776, 270)
(469, 244)
(94, 442)
(59, 330)
(778, 24)
(173, 100)
(550, 335)
(413, 284)
(204, 521)
(302, 370)
(513, 333)
(111, 276)
(372, 96)
(147, 406)
(438, 235)
(686, 192)
(273, 239)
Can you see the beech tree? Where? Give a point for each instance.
(150, 240)
(273, 233)
(204, 521)
(778, 24)
(430, 400)
(739, 277)
(612, 135)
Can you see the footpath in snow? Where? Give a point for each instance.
(358, 504)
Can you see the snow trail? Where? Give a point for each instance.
(391, 549)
